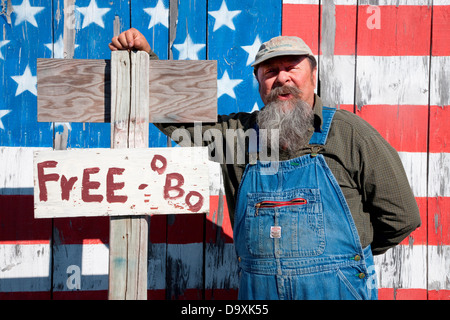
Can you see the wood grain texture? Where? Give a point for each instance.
(80, 90)
(192, 97)
(128, 236)
(139, 116)
(75, 90)
(439, 157)
(337, 60)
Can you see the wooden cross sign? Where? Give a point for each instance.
(129, 181)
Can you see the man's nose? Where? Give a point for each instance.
(283, 78)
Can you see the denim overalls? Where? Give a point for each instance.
(294, 234)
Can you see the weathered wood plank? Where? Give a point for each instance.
(105, 182)
(139, 116)
(439, 157)
(73, 90)
(154, 24)
(128, 236)
(336, 66)
(193, 96)
(78, 90)
(185, 250)
(120, 99)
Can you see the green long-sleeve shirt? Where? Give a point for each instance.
(368, 170)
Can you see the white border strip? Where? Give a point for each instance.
(397, 2)
(370, 2)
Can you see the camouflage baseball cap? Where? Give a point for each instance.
(282, 46)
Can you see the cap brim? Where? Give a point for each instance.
(279, 54)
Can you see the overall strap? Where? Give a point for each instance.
(319, 136)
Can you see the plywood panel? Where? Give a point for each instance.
(193, 96)
(75, 90)
(78, 90)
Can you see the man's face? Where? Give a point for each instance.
(287, 70)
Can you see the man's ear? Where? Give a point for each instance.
(314, 77)
(255, 72)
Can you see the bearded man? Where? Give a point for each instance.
(338, 196)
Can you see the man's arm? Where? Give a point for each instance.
(386, 194)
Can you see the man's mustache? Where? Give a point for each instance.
(286, 89)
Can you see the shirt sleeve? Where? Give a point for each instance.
(386, 193)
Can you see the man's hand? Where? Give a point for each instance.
(128, 40)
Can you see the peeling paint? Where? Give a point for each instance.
(6, 10)
(328, 28)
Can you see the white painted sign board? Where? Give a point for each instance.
(113, 182)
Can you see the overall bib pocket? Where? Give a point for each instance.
(285, 224)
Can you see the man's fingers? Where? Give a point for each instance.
(116, 43)
(122, 39)
(129, 38)
(137, 44)
(112, 47)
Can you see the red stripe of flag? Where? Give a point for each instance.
(402, 294)
(345, 32)
(382, 30)
(419, 236)
(441, 34)
(188, 228)
(302, 21)
(439, 127)
(82, 230)
(405, 127)
(17, 223)
(399, 31)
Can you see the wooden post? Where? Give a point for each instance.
(138, 90)
(128, 237)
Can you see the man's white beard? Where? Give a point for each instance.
(292, 118)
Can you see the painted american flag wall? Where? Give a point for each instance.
(190, 257)
(386, 60)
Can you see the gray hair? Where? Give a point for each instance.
(291, 118)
